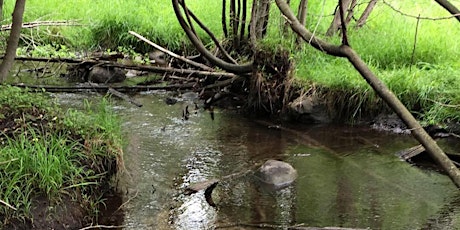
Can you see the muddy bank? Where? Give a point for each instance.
(57, 166)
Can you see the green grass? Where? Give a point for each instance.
(106, 23)
(425, 78)
(53, 153)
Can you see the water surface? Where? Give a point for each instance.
(348, 176)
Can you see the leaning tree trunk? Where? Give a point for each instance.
(336, 22)
(196, 41)
(380, 88)
(13, 40)
(449, 7)
(362, 20)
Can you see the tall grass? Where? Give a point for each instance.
(105, 24)
(47, 152)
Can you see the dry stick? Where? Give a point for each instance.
(42, 23)
(7, 205)
(415, 44)
(425, 18)
(155, 69)
(100, 87)
(380, 88)
(124, 97)
(188, 61)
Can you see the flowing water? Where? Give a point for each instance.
(348, 176)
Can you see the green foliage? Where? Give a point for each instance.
(386, 43)
(45, 151)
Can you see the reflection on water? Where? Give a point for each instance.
(348, 176)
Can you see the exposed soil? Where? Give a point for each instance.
(71, 210)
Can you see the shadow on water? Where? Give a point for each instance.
(348, 176)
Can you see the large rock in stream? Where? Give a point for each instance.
(276, 174)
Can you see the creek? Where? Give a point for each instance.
(348, 176)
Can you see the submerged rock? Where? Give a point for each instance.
(99, 74)
(276, 174)
(309, 109)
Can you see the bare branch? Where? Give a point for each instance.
(240, 69)
(449, 7)
(188, 61)
(457, 15)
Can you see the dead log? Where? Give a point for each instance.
(153, 69)
(104, 88)
(124, 97)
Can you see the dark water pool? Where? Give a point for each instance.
(348, 176)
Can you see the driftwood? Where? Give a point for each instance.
(124, 97)
(409, 153)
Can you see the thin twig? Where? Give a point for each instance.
(199, 65)
(418, 17)
(129, 200)
(102, 226)
(8, 205)
(442, 104)
(415, 44)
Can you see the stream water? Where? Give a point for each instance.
(348, 176)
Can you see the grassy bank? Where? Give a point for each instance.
(55, 156)
(424, 77)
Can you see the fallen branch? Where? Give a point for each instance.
(153, 69)
(99, 87)
(124, 97)
(28, 25)
(409, 153)
(184, 59)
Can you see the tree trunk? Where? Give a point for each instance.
(335, 25)
(230, 67)
(380, 88)
(259, 20)
(362, 20)
(13, 40)
(302, 16)
(1, 10)
(449, 7)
